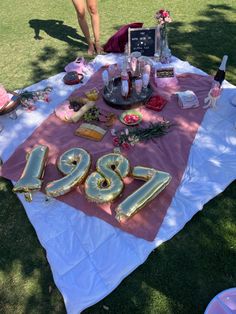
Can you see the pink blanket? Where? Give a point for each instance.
(168, 153)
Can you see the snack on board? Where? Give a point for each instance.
(92, 94)
(90, 131)
(78, 99)
(64, 112)
(79, 114)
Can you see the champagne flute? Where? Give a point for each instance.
(145, 80)
(124, 88)
(138, 86)
(105, 78)
(147, 69)
(133, 65)
(112, 72)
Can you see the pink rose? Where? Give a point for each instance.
(125, 145)
(165, 14)
(116, 141)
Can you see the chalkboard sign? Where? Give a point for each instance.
(143, 40)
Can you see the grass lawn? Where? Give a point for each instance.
(182, 275)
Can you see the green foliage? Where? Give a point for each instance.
(38, 38)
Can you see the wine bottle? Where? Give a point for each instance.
(220, 74)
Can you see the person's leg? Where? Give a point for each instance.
(92, 6)
(81, 14)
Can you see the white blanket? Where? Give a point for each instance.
(88, 257)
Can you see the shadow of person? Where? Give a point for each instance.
(57, 29)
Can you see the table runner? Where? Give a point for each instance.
(76, 244)
(169, 153)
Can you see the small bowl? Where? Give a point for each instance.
(124, 117)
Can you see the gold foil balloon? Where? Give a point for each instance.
(74, 164)
(156, 182)
(31, 178)
(106, 183)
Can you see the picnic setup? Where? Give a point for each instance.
(114, 155)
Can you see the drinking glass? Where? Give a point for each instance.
(138, 86)
(109, 87)
(147, 69)
(145, 80)
(112, 72)
(124, 88)
(105, 78)
(133, 65)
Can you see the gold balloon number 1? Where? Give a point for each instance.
(31, 178)
(102, 186)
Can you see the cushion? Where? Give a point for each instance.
(118, 41)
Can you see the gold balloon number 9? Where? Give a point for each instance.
(74, 164)
(103, 185)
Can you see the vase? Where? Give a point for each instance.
(165, 52)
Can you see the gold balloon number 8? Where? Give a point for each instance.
(106, 183)
(102, 186)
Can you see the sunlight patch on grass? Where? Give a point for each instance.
(18, 288)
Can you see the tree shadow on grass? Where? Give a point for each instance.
(26, 283)
(210, 38)
(57, 60)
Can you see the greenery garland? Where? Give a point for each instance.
(133, 135)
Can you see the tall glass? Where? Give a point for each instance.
(124, 89)
(138, 86)
(145, 80)
(107, 83)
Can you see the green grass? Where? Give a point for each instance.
(183, 274)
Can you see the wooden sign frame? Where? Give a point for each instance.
(155, 32)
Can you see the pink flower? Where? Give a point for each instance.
(46, 98)
(163, 16)
(116, 141)
(125, 145)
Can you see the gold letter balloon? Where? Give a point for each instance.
(106, 183)
(102, 186)
(156, 182)
(31, 178)
(74, 164)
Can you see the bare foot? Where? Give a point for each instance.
(98, 48)
(91, 49)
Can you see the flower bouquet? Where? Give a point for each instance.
(163, 19)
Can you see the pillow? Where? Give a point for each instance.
(118, 41)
